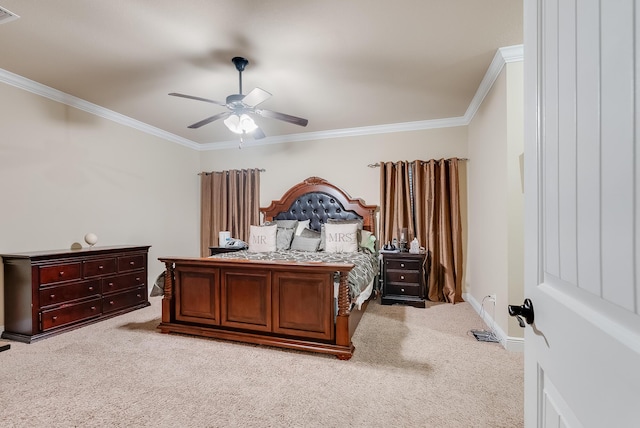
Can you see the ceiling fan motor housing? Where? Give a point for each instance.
(240, 63)
(235, 101)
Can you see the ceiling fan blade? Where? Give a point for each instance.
(258, 134)
(281, 116)
(255, 97)
(209, 120)
(191, 97)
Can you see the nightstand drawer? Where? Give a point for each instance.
(404, 276)
(403, 289)
(403, 264)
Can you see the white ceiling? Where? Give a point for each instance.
(341, 64)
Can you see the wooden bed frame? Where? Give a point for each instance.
(284, 304)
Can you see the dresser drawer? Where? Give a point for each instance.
(122, 282)
(403, 289)
(403, 264)
(99, 267)
(60, 273)
(68, 314)
(404, 276)
(64, 293)
(133, 262)
(126, 299)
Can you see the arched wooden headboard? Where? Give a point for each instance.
(318, 200)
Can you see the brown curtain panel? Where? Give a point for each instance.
(438, 224)
(230, 200)
(395, 200)
(424, 197)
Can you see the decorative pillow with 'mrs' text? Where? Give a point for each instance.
(341, 238)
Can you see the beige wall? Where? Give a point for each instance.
(342, 161)
(495, 240)
(515, 193)
(64, 173)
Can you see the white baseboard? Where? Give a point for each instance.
(515, 344)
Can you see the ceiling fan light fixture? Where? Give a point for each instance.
(240, 124)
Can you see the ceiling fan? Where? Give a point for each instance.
(240, 106)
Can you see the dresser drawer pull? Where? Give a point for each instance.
(132, 263)
(54, 318)
(111, 302)
(61, 273)
(110, 284)
(138, 279)
(139, 295)
(401, 276)
(401, 264)
(402, 289)
(52, 296)
(91, 288)
(100, 267)
(93, 308)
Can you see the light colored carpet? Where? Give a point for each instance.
(412, 368)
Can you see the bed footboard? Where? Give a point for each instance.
(283, 304)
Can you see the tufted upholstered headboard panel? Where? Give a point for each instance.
(317, 207)
(318, 200)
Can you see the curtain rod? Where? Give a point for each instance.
(376, 165)
(206, 173)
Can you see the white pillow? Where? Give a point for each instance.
(302, 225)
(341, 238)
(262, 239)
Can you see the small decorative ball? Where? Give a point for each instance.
(91, 239)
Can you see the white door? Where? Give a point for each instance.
(582, 205)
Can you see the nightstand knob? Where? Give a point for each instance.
(401, 264)
(402, 277)
(402, 289)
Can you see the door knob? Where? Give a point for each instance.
(525, 310)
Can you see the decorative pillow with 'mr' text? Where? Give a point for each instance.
(262, 239)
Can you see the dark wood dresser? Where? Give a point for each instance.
(49, 292)
(403, 279)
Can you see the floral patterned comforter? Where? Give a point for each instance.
(365, 269)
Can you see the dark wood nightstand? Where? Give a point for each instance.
(220, 250)
(403, 279)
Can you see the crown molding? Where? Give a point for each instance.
(339, 133)
(503, 56)
(64, 98)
